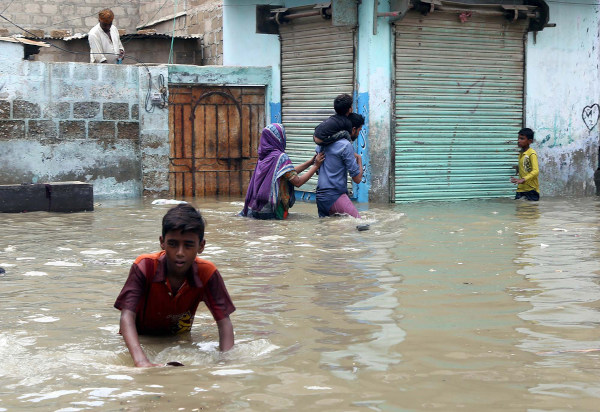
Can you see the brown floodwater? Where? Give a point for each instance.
(469, 306)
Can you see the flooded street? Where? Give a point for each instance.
(471, 306)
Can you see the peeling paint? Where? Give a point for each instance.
(563, 91)
(568, 170)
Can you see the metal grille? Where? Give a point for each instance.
(459, 106)
(317, 64)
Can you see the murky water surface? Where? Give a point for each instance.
(468, 306)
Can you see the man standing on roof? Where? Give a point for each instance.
(105, 44)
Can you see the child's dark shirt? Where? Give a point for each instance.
(331, 127)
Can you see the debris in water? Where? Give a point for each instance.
(167, 202)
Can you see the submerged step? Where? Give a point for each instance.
(49, 197)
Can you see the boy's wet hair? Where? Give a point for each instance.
(184, 217)
(342, 104)
(527, 132)
(358, 120)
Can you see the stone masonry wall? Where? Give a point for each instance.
(208, 20)
(59, 19)
(69, 121)
(204, 17)
(43, 17)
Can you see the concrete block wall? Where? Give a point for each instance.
(69, 121)
(207, 19)
(204, 17)
(154, 135)
(73, 16)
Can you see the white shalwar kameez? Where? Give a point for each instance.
(102, 49)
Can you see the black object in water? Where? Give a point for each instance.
(364, 226)
(2, 271)
(175, 363)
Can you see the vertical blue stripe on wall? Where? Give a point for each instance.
(361, 146)
(275, 112)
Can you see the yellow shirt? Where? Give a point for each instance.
(528, 170)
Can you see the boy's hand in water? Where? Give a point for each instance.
(319, 159)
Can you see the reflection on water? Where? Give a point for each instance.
(472, 306)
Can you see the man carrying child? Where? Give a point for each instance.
(334, 137)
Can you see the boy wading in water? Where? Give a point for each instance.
(528, 185)
(163, 290)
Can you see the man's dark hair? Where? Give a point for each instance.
(527, 132)
(342, 104)
(358, 120)
(183, 217)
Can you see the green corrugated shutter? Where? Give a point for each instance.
(459, 106)
(317, 64)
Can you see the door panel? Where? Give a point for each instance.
(214, 134)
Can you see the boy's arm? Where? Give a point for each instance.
(130, 334)
(535, 171)
(225, 334)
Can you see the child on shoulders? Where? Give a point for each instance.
(338, 126)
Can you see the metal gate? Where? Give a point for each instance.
(317, 64)
(214, 134)
(459, 105)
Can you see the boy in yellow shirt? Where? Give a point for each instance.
(528, 185)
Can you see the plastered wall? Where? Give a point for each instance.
(562, 97)
(69, 121)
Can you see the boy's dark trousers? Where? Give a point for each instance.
(530, 195)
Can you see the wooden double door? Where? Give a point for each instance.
(214, 134)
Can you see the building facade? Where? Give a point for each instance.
(444, 88)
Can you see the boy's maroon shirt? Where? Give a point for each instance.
(158, 312)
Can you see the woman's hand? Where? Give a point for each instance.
(319, 159)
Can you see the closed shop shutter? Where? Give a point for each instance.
(458, 105)
(317, 64)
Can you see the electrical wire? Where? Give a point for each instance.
(71, 51)
(150, 19)
(170, 61)
(11, 2)
(118, 3)
(161, 77)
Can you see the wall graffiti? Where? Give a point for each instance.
(591, 115)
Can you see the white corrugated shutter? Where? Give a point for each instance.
(317, 64)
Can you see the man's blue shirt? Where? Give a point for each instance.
(339, 160)
(333, 180)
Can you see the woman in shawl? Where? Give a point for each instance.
(271, 189)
